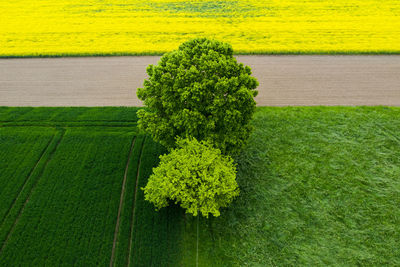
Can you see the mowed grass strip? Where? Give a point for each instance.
(118, 27)
(70, 218)
(68, 116)
(319, 186)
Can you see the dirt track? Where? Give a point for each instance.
(284, 80)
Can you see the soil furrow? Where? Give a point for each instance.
(299, 80)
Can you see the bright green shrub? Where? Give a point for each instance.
(195, 175)
(199, 91)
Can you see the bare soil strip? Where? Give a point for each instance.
(134, 202)
(284, 80)
(27, 180)
(121, 201)
(30, 193)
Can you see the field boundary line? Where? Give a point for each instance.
(69, 126)
(134, 203)
(41, 121)
(27, 179)
(121, 202)
(31, 191)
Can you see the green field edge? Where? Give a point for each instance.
(16, 210)
(237, 53)
(72, 124)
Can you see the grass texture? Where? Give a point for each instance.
(319, 186)
(117, 27)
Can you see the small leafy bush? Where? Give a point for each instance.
(196, 175)
(200, 91)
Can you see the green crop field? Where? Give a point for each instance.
(69, 190)
(319, 186)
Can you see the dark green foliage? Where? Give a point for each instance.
(194, 175)
(199, 91)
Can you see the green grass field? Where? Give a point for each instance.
(319, 186)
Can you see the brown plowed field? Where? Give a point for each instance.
(284, 80)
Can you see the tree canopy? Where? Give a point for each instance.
(194, 175)
(200, 91)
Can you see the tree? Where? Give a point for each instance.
(196, 175)
(200, 91)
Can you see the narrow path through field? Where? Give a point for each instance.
(32, 189)
(134, 203)
(284, 80)
(121, 201)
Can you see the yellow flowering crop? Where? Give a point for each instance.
(77, 27)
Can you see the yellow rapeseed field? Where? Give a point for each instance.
(77, 27)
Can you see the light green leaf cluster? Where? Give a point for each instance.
(200, 91)
(196, 175)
